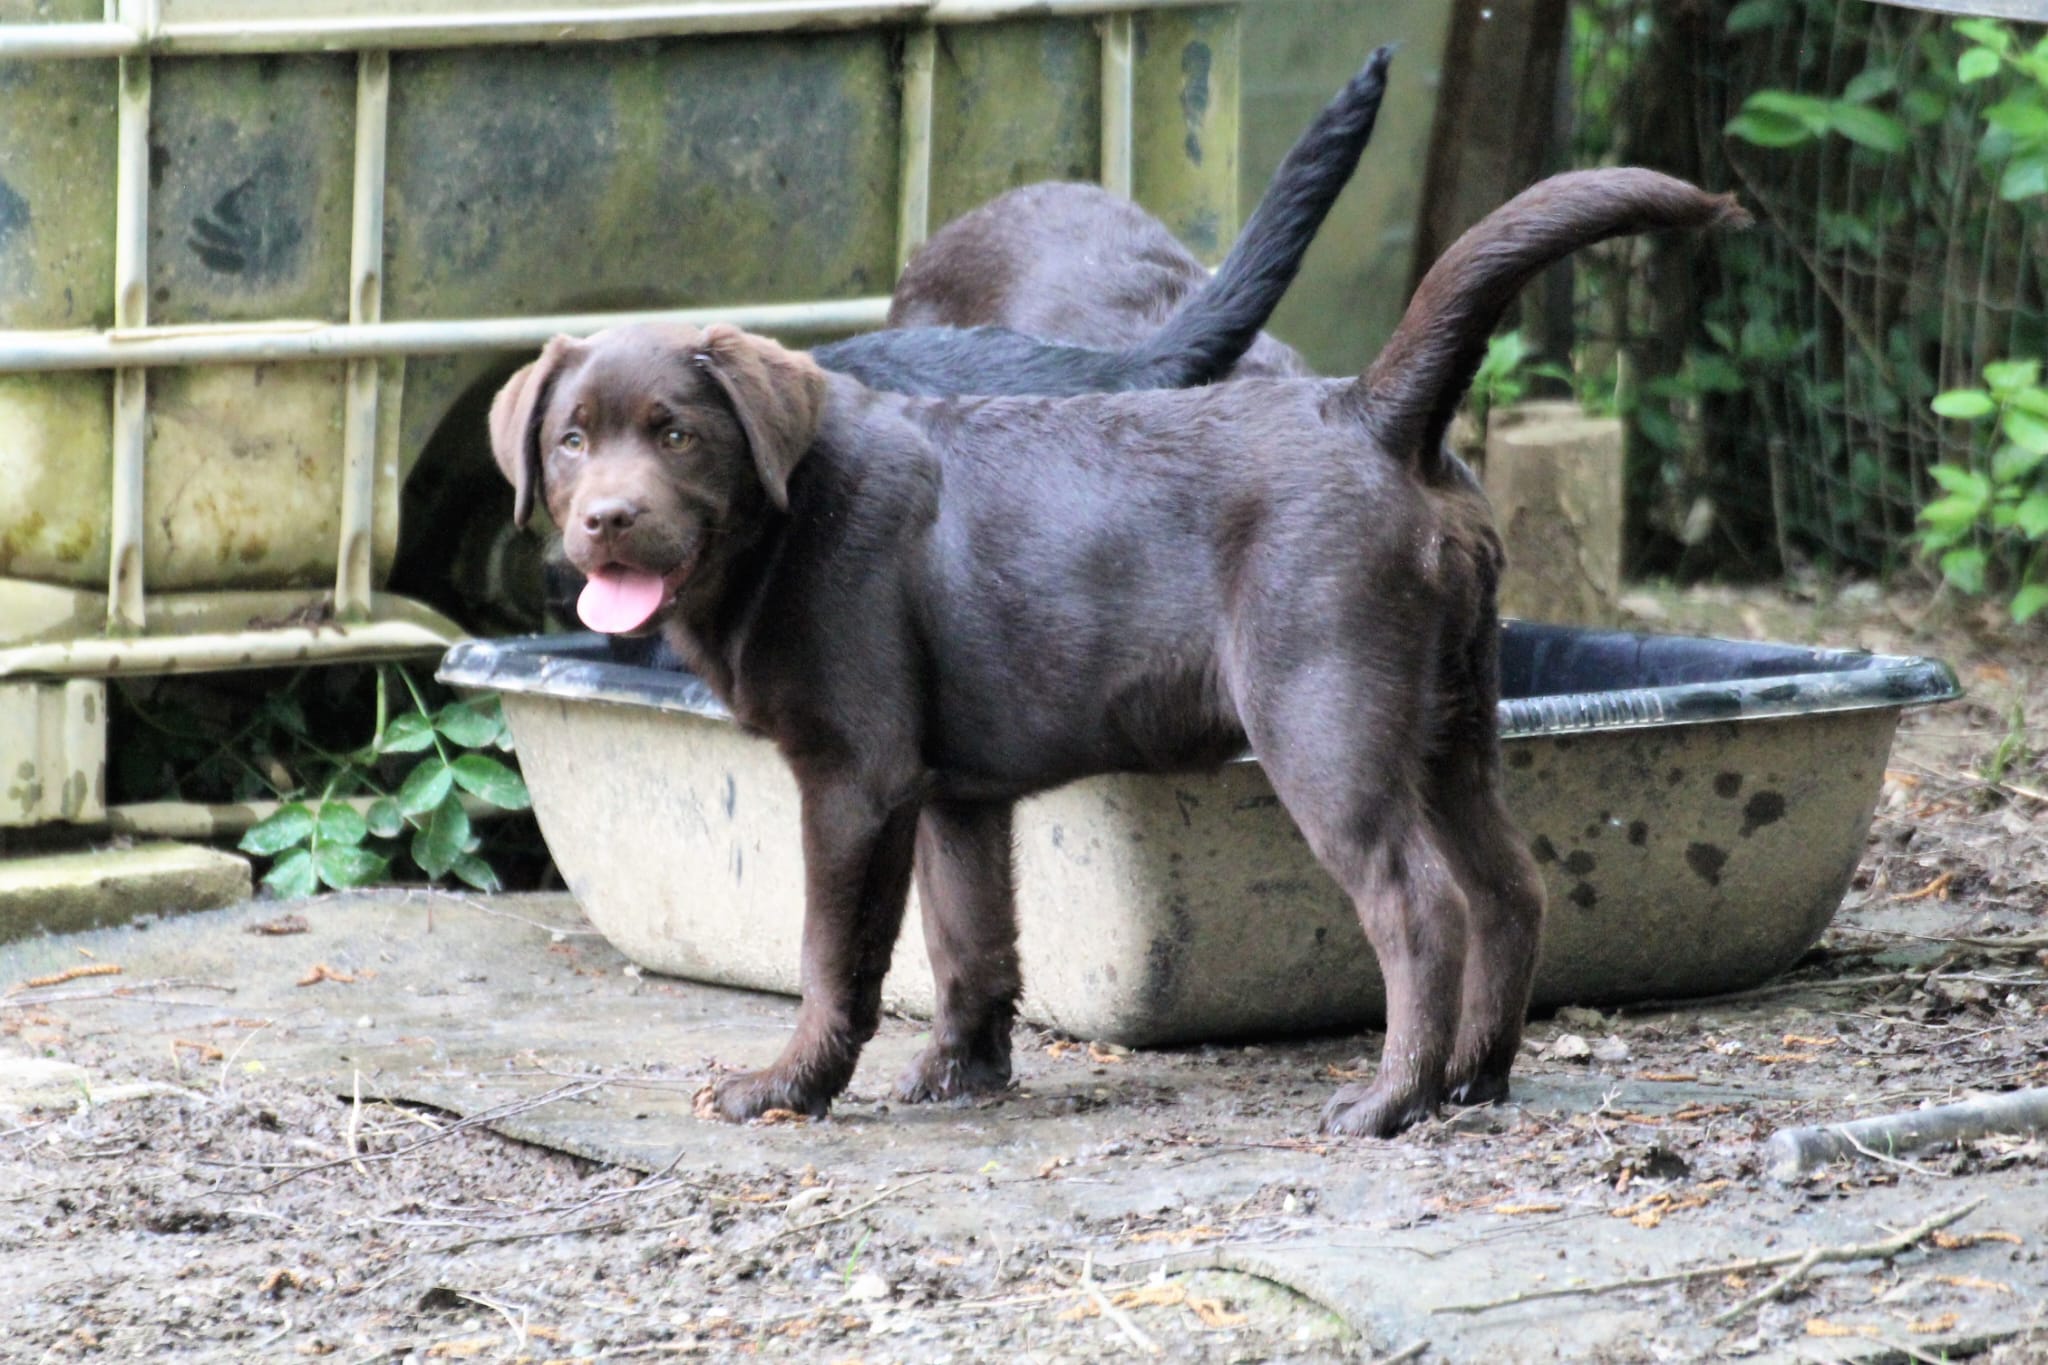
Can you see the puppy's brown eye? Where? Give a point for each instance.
(573, 442)
(674, 439)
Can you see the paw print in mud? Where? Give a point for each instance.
(249, 230)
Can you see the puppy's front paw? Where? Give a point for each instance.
(749, 1096)
(1370, 1111)
(939, 1074)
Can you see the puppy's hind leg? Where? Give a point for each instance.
(1343, 764)
(1504, 900)
(1503, 890)
(966, 891)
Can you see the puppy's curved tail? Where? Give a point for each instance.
(1211, 331)
(1409, 393)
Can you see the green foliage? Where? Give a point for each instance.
(2015, 139)
(1993, 512)
(1987, 530)
(1503, 376)
(1779, 118)
(417, 766)
(2016, 133)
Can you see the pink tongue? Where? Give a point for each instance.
(620, 601)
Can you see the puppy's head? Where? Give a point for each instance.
(651, 445)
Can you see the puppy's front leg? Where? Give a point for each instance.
(968, 898)
(857, 855)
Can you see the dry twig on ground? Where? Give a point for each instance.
(1802, 1261)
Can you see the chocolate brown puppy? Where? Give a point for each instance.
(936, 607)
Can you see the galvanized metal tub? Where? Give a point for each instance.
(1698, 807)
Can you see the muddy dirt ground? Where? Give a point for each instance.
(244, 1168)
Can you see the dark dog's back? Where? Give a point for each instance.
(1099, 259)
(1068, 262)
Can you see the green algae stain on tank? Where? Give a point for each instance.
(1013, 103)
(244, 476)
(55, 430)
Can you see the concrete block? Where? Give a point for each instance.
(1555, 480)
(53, 751)
(63, 893)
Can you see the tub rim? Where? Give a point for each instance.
(1819, 681)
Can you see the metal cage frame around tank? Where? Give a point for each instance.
(65, 639)
(134, 34)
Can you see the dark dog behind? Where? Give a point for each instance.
(937, 607)
(1199, 343)
(1201, 340)
(1070, 263)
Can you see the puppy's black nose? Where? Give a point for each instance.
(609, 517)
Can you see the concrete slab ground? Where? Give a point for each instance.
(511, 1011)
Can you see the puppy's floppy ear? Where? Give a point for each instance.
(515, 426)
(778, 394)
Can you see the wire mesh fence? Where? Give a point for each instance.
(1778, 383)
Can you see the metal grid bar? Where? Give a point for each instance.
(397, 32)
(208, 651)
(258, 342)
(131, 309)
(365, 305)
(1118, 73)
(914, 203)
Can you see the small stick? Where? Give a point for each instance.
(1745, 1267)
(275, 1337)
(2018, 941)
(500, 1238)
(1130, 1329)
(477, 1120)
(1867, 1251)
(1405, 1354)
(354, 1127)
(1882, 1159)
(518, 1324)
(1936, 888)
(431, 894)
(133, 994)
(229, 1061)
(1793, 1153)
(800, 1228)
(1839, 983)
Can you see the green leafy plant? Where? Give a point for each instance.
(1997, 511)
(2016, 133)
(1503, 376)
(400, 793)
(1985, 530)
(1781, 118)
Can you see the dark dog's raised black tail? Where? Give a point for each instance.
(1409, 393)
(1211, 331)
